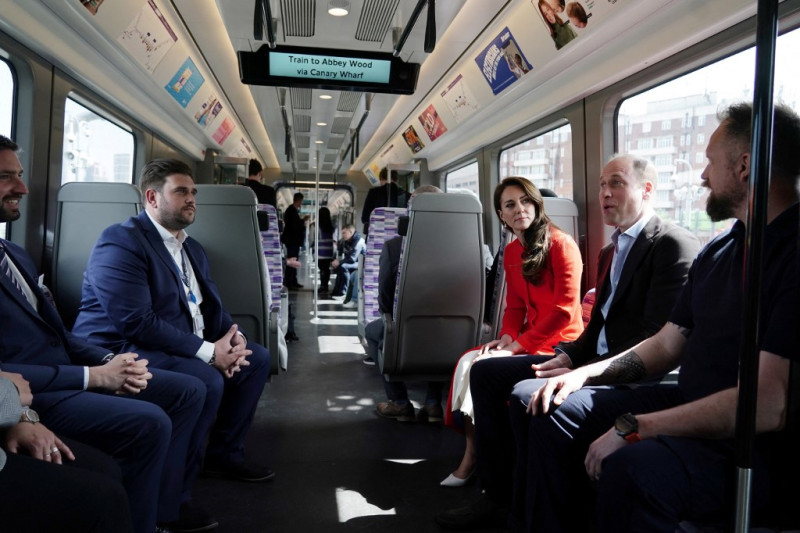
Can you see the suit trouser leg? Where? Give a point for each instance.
(659, 482)
(373, 334)
(557, 444)
(40, 496)
(238, 407)
(213, 383)
(491, 381)
(291, 272)
(146, 434)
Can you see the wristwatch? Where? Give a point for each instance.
(627, 427)
(29, 415)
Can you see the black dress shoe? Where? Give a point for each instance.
(481, 514)
(291, 337)
(239, 472)
(190, 519)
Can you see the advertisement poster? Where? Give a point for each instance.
(148, 37)
(208, 111)
(92, 5)
(185, 83)
(372, 172)
(502, 62)
(432, 123)
(563, 20)
(224, 130)
(412, 139)
(244, 149)
(459, 99)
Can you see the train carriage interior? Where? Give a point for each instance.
(326, 94)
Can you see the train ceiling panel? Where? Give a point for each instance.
(370, 25)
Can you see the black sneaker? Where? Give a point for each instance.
(239, 472)
(368, 361)
(481, 514)
(190, 519)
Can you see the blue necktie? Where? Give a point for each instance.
(5, 267)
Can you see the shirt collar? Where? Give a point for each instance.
(637, 228)
(165, 234)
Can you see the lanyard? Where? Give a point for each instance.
(184, 274)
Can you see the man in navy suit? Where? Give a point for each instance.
(652, 258)
(143, 418)
(148, 288)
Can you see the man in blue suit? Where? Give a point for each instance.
(148, 288)
(85, 392)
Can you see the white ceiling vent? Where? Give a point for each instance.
(375, 20)
(298, 17)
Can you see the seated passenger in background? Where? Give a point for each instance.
(350, 247)
(399, 406)
(87, 497)
(650, 258)
(665, 454)
(85, 392)
(543, 274)
(148, 288)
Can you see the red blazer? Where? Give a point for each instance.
(540, 316)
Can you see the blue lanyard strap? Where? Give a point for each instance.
(185, 276)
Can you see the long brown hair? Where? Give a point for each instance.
(535, 239)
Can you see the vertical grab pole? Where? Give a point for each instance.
(760, 156)
(315, 254)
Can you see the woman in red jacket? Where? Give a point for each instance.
(543, 269)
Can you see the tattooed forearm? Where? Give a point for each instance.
(627, 369)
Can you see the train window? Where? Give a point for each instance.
(465, 177)
(546, 160)
(95, 149)
(687, 108)
(7, 91)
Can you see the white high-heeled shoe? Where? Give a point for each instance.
(453, 481)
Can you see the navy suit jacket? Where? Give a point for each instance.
(133, 297)
(36, 344)
(651, 280)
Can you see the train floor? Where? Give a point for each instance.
(339, 466)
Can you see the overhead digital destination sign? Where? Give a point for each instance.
(319, 68)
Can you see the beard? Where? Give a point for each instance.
(176, 220)
(723, 206)
(8, 215)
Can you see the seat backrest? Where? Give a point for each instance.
(227, 227)
(271, 244)
(587, 304)
(440, 289)
(499, 293)
(563, 212)
(382, 227)
(84, 210)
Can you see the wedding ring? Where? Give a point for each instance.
(55, 450)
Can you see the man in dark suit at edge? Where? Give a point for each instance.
(148, 288)
(86, 393)
(640, 274)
